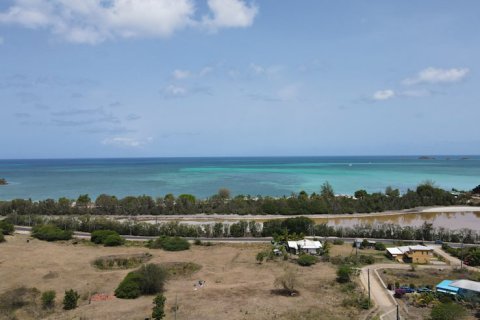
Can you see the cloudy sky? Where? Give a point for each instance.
(114, 78)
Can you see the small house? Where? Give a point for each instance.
(414, 254)
(305, 246)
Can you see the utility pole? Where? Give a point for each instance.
(461, 255)
(398, 313)
(176, 307)
(368, 273)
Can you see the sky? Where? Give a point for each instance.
(174, 78)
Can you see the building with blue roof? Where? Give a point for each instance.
(445, 287)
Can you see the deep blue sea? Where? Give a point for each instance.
(276, 176)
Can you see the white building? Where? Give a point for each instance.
(305, 245)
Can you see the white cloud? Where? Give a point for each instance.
(383, 95)
(230, 13)
(94, 21)
(126, 142)
(436, 75)
(181, 74)
(175, 91)
(288, 93)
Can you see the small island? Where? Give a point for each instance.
(3, 182)
(426, 158)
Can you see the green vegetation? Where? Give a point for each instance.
(448, 311)
(70, 300)
(126, 261)
(470, 255)
(306, 260)
(51, 233)
(158, 311)
(169, 243)
(338, 242)
(99, 236)
(380, 246)
(113, 240)
(261, 256)
(302, 203)
(2, 237)
(344, 273)
(48, 299)
(6, 227)
(149, 279)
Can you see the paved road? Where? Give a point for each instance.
(80, 234)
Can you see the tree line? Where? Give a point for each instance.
(302, 203)
(290, 228)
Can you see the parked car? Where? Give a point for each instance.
(407, 289)
(424, 289)
(438, 242)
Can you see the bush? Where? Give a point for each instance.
(344, 273)
(380, 246)
(99, 236)
(198, 242)
(169, 243)
(48, 299)
(288, 281)
(261, 256)
(149, 279)
(130, 287)
(113, 240)
(448, 311)
(51, 233)
(158, 311)
(6, 227)
(364, 259)
(2, 237)
(70, 300)
(338, 242)
(306, 260)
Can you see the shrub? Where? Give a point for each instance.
(2, 237)
(288, 281)
(448, 311)
(306, 260)
(154, 278)
(198, 242)
(260, 256)
(149, 279)
(364, 259)
(158, 311)
(48, 299)
(380, 246)
(6, 227)
(130, 287)
(338, 242)
(169, 243)
(113, 240)
(70, 300)
(51, 233)
(99, 236)
(344, 273)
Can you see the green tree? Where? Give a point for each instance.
(223, 193)
(6, 227)
(158, 311)
(70, 300)
(83, 200)
(360, 194)
(326, 191)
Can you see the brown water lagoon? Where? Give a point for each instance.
(441, 217)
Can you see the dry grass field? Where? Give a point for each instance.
(236, 286)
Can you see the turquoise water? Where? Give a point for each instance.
(276, 176)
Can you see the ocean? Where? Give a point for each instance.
(275, 176)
